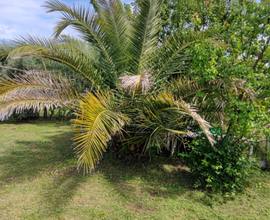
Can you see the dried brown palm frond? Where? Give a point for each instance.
(188, 110)
(19, 105)
(138, 83)
(11, 68)
(239, 87)
(165, 113)
(32, 81)
(34, 89)
(205, 125)
(184, 88)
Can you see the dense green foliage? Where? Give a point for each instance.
(241, 75)
(224, 168)
(244, 26)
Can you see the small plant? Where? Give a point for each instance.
(224, 167)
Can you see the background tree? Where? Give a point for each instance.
(244, 26)
(240, 74)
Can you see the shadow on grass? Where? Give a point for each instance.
(34, 160)
(159, 179)
(163, 178)
(57, 194)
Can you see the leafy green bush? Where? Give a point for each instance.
(222, 168)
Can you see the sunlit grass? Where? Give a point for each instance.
(38, 180)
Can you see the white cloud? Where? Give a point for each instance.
(21, 17)
(7, 30)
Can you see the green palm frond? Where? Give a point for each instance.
(35, 90)
(171, 58)
(86, 23)
(184, 88)
(77, 54)
(97, 117)
(116, 29)
(144, 35)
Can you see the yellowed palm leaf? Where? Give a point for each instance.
(96, 122)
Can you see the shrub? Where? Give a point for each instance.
(224, 167)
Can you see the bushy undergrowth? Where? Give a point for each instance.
(226, 167)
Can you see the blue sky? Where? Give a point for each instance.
(20, 17)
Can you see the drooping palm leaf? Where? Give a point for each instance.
(36, 90)
(77, 54)
(236, 86)
(32, 81)
(184, 88)
(164, 119)
(96, 122)
(25, 103)
(174, 113)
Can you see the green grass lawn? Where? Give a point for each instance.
(38, 180)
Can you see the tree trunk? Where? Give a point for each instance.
(45, 116)
(52, 112)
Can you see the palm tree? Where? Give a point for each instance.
(133, 96)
